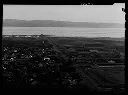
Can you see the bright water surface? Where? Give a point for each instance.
(65, 31)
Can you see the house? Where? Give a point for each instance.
(111, 61)
(94, 51)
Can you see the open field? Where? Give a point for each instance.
(91, 42)
(117, 72)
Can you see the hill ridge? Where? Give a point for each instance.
(54, 23)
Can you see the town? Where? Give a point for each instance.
(45, 61)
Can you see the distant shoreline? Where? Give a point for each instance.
(62, 31)
(103, 38)
(54, 23)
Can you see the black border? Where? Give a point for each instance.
(56, 2)
(63, 2)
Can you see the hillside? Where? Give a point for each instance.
(53, 23)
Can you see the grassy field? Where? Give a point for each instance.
(116, 72)
(91, 42)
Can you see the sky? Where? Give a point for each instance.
(75, 13)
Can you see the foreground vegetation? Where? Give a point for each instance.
(63, 62)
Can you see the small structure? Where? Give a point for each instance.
(27, 36)
(17, 36)
(94, 51)
(111, 61)
(46, 58)
(6, 36)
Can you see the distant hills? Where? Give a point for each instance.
(53, 23)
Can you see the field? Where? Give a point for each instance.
(97, 61)
(91, 42)
(115, 72)
(107, 73)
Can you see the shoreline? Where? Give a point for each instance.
(70, 36)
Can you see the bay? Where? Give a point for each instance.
(65, 31)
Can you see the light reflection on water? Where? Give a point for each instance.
(65, 31)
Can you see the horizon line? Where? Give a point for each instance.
(62, 20)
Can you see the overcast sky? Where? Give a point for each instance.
(84, 13)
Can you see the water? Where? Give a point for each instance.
(65, 31)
